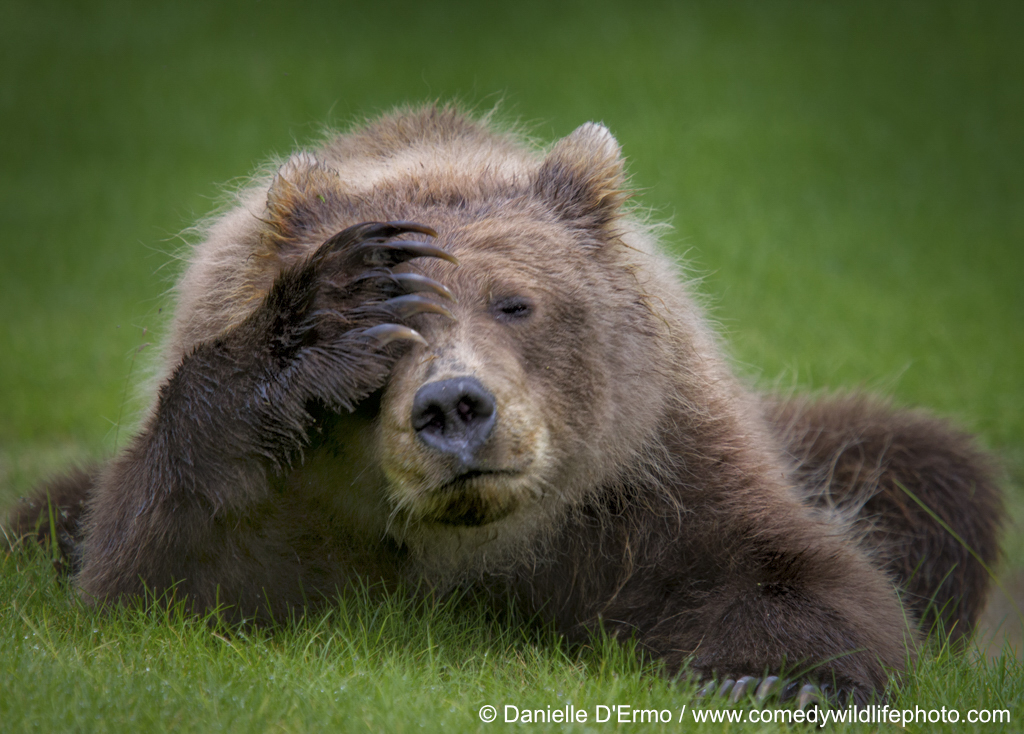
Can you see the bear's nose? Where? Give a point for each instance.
(454, 417)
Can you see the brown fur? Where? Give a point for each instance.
(891, 474)
(625, 478)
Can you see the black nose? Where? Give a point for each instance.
(454, 417)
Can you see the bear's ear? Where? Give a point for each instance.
(583, 176)
(300, 199)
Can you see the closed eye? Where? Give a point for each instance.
(513, 308)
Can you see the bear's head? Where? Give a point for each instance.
(565, 352)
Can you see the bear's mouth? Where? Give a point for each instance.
(473, 477)
(469, 499)
(471, 474)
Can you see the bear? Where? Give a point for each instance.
(429, 353)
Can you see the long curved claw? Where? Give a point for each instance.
(808, 695)
(708, 688)
(412, 304)
(743, 686)
(827, 693)
(369, 231)
(409, 282)
(349, 237)
(789, 690)
(386, 333)
(377, 231)
(416, 283)
(769, 686)
(388, 254)
(403, 226)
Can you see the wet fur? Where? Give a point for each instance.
(632, 482)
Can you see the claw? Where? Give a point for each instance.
(727, 685)
(387, 333)
(387, 254)
(378, 230)
(708, 689)
(414, 282)
(412, 304)
(410, 282)
(364, 231)
(768, 687)
(402, 226)
(743, 686)
(808, 695)
(789, 690)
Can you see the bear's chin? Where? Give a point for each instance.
(470, 500)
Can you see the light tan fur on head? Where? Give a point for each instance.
(495, 199)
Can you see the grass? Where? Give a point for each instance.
(396, 666)
(849, 177)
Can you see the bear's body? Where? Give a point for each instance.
(549, 420)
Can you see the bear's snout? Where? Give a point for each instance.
(455, 417)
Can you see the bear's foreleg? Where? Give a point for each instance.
(186, 505)
(815, 613)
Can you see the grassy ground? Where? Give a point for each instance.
(849, 177)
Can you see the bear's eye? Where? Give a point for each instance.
(513, 308)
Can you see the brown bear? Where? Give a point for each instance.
(427, 353)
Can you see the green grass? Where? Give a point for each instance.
(849, 177)
(396, 666)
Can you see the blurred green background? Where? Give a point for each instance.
(848, 176)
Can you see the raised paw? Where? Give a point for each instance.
(361, 293)
(360, 305)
